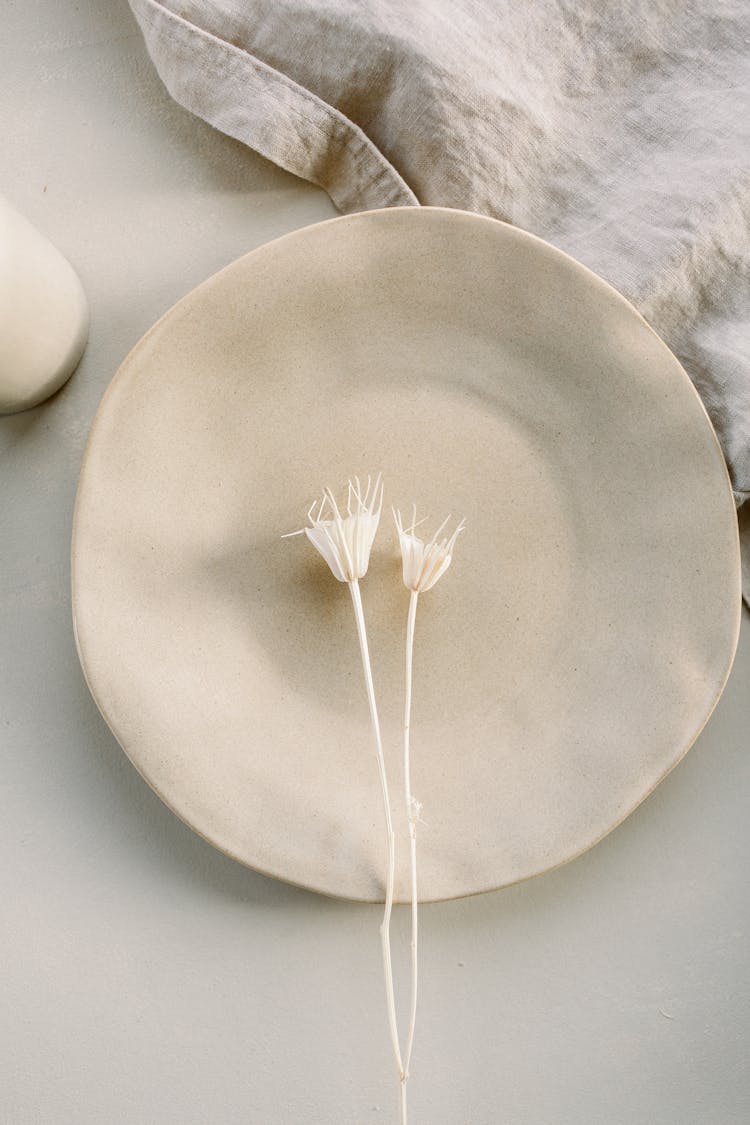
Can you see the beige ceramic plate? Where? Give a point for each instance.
(567, 660)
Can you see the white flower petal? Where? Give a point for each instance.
(323, 537)
(435, 571)
(424, 564)
(345, 541)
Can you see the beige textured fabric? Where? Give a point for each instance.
(620, 133)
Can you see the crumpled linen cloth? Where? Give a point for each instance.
(618, 132)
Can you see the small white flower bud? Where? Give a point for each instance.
(424, 563)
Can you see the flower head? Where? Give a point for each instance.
(345, 541)
(423, 562)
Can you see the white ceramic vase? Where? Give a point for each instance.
(43, 314)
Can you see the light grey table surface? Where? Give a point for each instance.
(148, 979)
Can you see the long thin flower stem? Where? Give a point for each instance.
(412, 812)
(385, 928)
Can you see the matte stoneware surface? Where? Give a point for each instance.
(564, 664)
(44, 316)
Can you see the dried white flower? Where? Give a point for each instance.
(345, 541)
(424, 563)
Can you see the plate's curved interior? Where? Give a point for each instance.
(564, 664)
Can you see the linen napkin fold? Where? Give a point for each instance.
(620, 133)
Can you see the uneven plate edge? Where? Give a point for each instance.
(268, 247)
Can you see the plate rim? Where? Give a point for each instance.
(264, 247)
